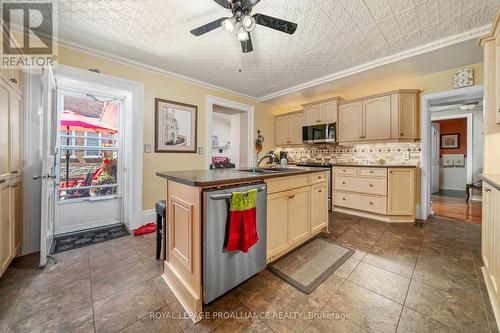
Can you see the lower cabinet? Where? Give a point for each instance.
(295, 214)
(385, 194)
(319, 206)
(6, 228)
(11, 223)
(490, 247)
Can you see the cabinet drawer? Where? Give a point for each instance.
(318, 178)
(374, 172)
(368, 203)
(286, 183)
(366, 185)
(344, 171)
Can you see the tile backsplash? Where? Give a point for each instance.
(392, 153)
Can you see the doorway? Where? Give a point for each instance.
(456, 158)
(229, 134)
(89, 166)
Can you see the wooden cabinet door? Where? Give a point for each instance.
(319, 206)
(408, 116)
(401, 191)
(296, 122)
(17, 215)
(328, 112)
(377, 118)
(311, 115)
(277, 223)
(282, 130)
(298, 215)
(350, 122)
(15, 135)
(495, 242)
(486, 230)
(6, 230)
(4, 130)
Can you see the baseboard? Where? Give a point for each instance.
(491, 295)
(418, 212)
(148, 216)
(453, 188)
(374, 216)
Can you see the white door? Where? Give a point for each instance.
(89, 164)
(435, 147)
(48, 154)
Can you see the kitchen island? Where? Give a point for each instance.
(295, 207)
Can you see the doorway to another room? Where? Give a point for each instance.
(457, 159)
(229, 134)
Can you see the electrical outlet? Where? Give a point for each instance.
(200, 150)
(406, 156)
(147, 148)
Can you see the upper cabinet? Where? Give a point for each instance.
(323, 112)
(288, 129)
(350, 122)
(390, 117)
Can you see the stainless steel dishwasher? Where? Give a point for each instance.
(223, 270)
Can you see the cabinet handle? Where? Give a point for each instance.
(371, 203)
(13, 81)
(320, 191)
(401, 134)
(291, 196)
(343, 183)
(371, 185)
(343, 199)
(14, 172)
(371, 171)
(319, 177)
(2, 181)
(485, 189)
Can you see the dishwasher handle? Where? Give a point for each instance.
(228, 196)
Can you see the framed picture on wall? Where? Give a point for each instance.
(450, 141)
(175, 127)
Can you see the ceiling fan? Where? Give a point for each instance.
(244, 23)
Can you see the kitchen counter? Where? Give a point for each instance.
(213, 177)
(373, 165)
(493, 180)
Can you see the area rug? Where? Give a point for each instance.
(309, 265)
(89, 237)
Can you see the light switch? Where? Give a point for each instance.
(406, 156)
(200, 150)
(147, 148)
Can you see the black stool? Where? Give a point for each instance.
(161, 213)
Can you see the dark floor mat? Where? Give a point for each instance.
(88, 237)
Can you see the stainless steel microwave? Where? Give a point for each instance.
(323, 133)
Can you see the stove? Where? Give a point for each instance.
(322, 165)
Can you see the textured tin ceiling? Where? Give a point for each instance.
(332, 36)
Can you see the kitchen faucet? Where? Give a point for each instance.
(270, 155)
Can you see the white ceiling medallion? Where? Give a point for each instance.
(463, 78)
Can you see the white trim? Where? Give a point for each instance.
(491, 294)
(449, 41)
(133, 94)
(213, 100)
(90, 225)
(470, 134)
(156, 70)
(425, 121)
(148, 216)
(459, 38)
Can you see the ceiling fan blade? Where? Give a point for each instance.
(208, 27)
(224, 3)
(252, 3)
(246, 45)
(275, 23)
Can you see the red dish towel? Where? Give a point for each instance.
(242, 221)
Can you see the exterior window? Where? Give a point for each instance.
(91, 142)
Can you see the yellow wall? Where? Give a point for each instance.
(166, 87)
(430, 83)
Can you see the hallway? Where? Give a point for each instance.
(451, 204)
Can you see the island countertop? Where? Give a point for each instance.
(372, 165)
(213, 177)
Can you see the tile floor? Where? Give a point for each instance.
(401, 278)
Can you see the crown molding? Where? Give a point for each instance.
(476, 33)
(124, 61)
(449, 41)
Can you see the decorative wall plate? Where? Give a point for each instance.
(463, 78)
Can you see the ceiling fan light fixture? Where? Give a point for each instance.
(228, 25)
(242, 34)
(248, 22)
